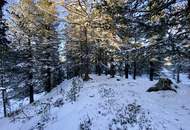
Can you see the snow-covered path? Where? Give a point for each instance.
(100, 99)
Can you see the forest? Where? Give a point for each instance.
(70, 54)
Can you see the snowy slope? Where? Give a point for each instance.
(103, 101)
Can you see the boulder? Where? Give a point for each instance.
(162, 84)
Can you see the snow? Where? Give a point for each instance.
(15, 104)
(100, 99)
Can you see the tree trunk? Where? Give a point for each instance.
(87, 60)
(48, 84)
(98, 61)
(135, 70)
(112, 70)
(151, 71)
(30, 74)
(31, 91)
(2, 74)
(76, 70)
(126, 70)
(86, 74)
(120, 69)
(87, 69)
(52, 79)
(106, 69)
(81, 68)
(173, 74)
(4, 102)
(178, 74)
(98, 69)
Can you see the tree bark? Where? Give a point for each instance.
(112, 70)
(126, 70)
(98, 69)
(48, 85)
(86, 74)
(87, 60)
(30, 74)
(31, 91)
(173, 74)
(178, 74)
(99, 60)
(151, 71)
(135, 70)
(4, 102)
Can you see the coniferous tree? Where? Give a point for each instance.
(34, 22)
(3, 43)
(3, 54)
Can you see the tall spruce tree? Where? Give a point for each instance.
(32, 25)
(3, 43)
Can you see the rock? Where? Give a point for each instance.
(162, 84)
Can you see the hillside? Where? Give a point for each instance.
(105, 104)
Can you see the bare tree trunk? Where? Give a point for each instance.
(30, 74)
(106, 69)
(48, 84)
(112, 68)
(178, 77)
(81, 61)
(2, 74)
(151, 71)
(98, 61)
(105, 62)
(134, 70)
(87, 60)
(52, 79)
(86, 75)
(173, 74)
(126, 70)
(4, 102)
(178, 74)
(31, 91)
(98, 69)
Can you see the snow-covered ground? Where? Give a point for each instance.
(106, 104)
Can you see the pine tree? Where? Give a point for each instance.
(3, 54)
(87, 30)
(3, 43)
(33, 22)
